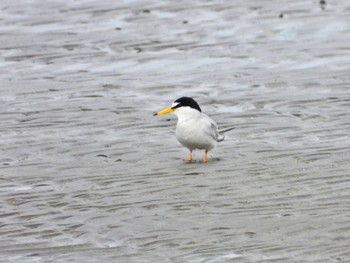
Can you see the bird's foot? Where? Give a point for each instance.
(205, 156)
(190, 159)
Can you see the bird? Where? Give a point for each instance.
(194, 129)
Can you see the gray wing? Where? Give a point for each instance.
(213, 130)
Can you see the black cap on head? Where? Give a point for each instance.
(187, 102)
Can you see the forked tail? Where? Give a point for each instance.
(226, 129)
(221, 137)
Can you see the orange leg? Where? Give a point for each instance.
(191, 157)
(205, 156)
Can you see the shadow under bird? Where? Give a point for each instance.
(194, 129)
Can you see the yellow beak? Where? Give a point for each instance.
(165, 111)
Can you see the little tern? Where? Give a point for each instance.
(194, 129)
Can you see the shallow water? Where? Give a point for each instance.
(88, 174)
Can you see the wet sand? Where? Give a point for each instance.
(87, 174)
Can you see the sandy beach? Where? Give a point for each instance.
(88, 174)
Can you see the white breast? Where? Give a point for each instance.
(195, 130)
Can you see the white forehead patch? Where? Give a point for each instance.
(174, 105)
